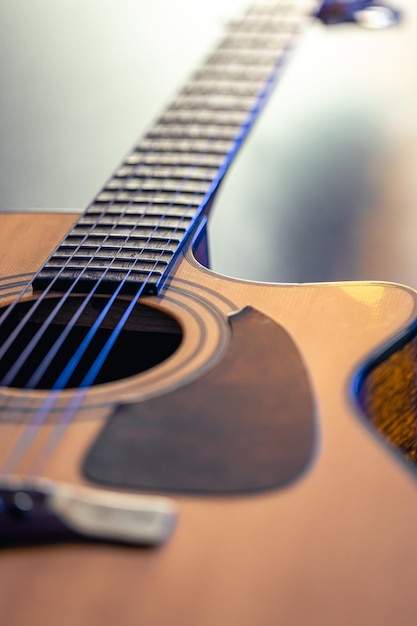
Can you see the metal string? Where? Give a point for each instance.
(89, 378)
(42, 413)
(7, 379)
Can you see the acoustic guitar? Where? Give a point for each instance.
(178, 447)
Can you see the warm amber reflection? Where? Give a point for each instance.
(389, 398)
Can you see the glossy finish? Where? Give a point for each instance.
(337, 546)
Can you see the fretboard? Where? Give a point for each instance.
(135, 228)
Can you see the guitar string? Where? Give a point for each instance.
(88, 382)
(96, 366)
(26, 352)
(105, 211)
(42, 413)
(47, 406)
(139, 293)
(9, 310)
(77, 399)
(11, 374)
(83, 388)
(14, 370)
(11, 338)
(34, 306)
(120, 248)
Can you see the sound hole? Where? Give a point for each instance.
(32, 360)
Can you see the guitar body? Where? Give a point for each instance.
(334, 544)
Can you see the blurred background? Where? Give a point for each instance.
(325, 187)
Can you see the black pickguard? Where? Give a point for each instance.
(245, 426)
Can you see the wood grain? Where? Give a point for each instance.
(337, 547)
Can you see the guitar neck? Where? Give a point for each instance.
(136, 226)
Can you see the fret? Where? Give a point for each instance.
(118, 276)
(119, 183)
(262, 41)
(187, 199)
(243, 57)
(233, 72)
(213, 103)
(217, 146)
(110, 252)
(211, 132)
(140, 232)
(159, 184)
(165, 211)
(173, 184)
(218, 118)
(177, 172)
(175, 158)
(101, 263)
(142, 220)
(283, 7)
(161, 210)
(132, 280)
(258, 24)
(124, 172)
(137, 224)
(223, 88)
(113, 240)
(294, 10)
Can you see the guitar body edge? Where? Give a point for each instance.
(336, 546)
